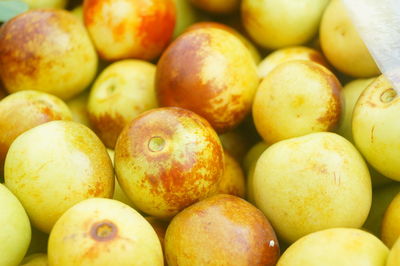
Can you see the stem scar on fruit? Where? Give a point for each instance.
(103, 231)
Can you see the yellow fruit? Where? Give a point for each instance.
(337, 246)
(38, 259)
(236, 143)
(390, 228)
(15, 232)
(34, 4)
(55, 165)
(311, 183)
(78, 107)
(253, 154)
(303, 94)
(103, 232)
(186, 15)
(393, 258)
(342, 45)
(216, 6)
(47, 50)
(375, 130)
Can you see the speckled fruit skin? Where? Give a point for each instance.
(167, 159)
(122, 91)
(390, 228)
(337, 246)
(375, 130)
(297, 98)
(47, 50)
(210, 72)
(130, 28)
(289, 54)
(24, 110)
(311, 183)
(55, 165)
(221, 230)
(103, 232)
(216, 6)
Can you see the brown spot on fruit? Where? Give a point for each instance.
(388, 95)
(103, 231)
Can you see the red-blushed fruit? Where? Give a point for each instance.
(130, 28)
(210, 72)
(221, 230)
(24, 110)
(167, 159)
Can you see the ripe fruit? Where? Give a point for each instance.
(47, 50)
(311, 183)
(303, 94)
(375, 132)
(274, 23)
(24, 110)
(390, 228)
(337, 246)
(129, 28)
(203, 71)
(393, 258)
(342, 45)
(121, 92)
(167, 159)
(253, 154)
(103, 232)
(216, 6)
(55, 165)
(221, 230)
(15, 232)
(289, 54)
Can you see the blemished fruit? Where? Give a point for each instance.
(275, 23)
(375, 132)
(393, 258)
(129, 28)
(221, 230)
(55, 165)
(15, 232)
(24, 110)
(337, 246)
(47, 50)
(311, 183)
(166, 159)
(284, 95)
(78, 107)
(289, 54)
(38, 259)
(121, 92)
(217, 6)
(390, 227)
(103, 232)
(342, 45)
(203, 71)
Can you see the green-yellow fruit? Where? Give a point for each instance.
(253, 154)
(217, 6)
(78, 107)
(393, 258)
(38, 259)
(337, 246)
(311, 183)
(186, 15)
(390, 228)
(15, 232)
(103, 232)
(34, 4)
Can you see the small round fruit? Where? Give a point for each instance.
(217, 6)
(24, 110)
(103, 232)
(275, 23)
(221, 230)
(210, 72)
(253, 154)
(376, 132)
(129, 28)
(121, 92)
(55, 165)
(390, 228)
(38, 259)
(342, 45)
(393, 258)
(289, 54)
(167, 159)
(15, 232)
(295, 99)
(337, 246)
(47, 50)
(311, 183)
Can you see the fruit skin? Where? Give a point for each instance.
(129, 28)
(284, 95)
(390, 229)
(167, 159)
(336, 246)
(289, 54)
(208, 64)
(24, 110)
(216, 6)
(122, 91)
(55, 165)
(275, 24)
(374, 131)
(311, 183)
(38, 259)
(342, 45)
(221, 230)
(15, 233)
(186, 15)
(47, 50)
(103, 232)
(35, 4)
(393, 258)
(236, 142)
(78, 107)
